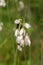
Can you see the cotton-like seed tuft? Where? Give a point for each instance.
(27, 25)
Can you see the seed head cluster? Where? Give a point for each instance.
(22, 37)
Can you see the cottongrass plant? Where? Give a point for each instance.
(22, 37)
(28, 10)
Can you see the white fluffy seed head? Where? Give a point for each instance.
(22, 43)
(2, 3)
(17, 21)
(22, 31)
(16, 32)
(21, 6)
(27, 25)
(19, 38)
(27, 40)
(19, 48)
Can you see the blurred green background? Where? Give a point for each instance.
(33, 14)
